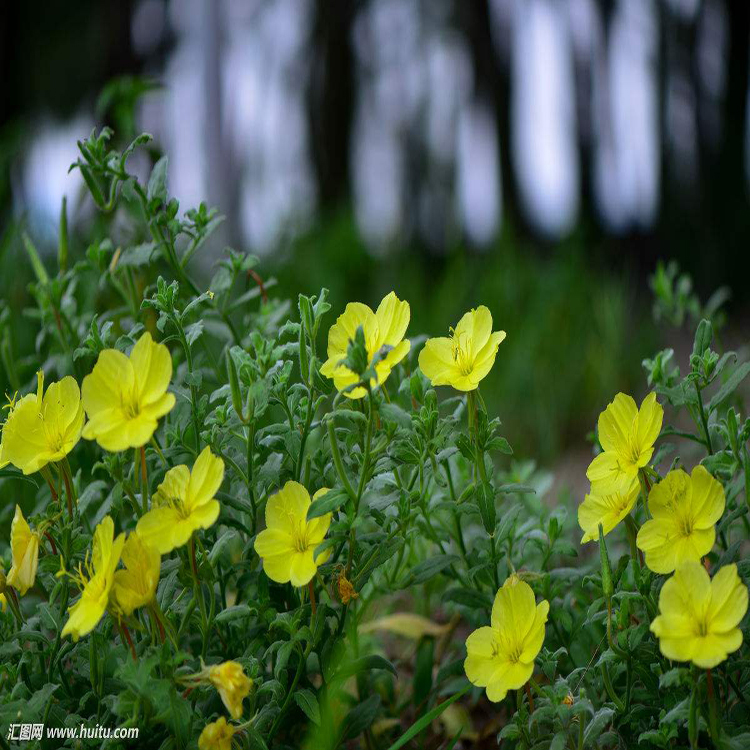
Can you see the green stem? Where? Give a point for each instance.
(610, 689)
(68, 479)
(338, 463)
(704, 420)
(144, 480)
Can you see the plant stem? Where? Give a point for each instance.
(713, 718)
(311, 591)
(144, 481)
(67, 478)
(704, 420)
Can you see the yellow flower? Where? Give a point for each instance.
(699, 617)
(183, 503)
(217, 735)
(384, 332)
(96, 581)
(288, 543)
(124, 397)
(135, 586)
(501, 657)
(605, 509)
(463, 359)
(42, 427)
(24, 546)
(685, 510)
(627, 436)
(233, 685)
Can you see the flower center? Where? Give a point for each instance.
(461, 356)
(300, 540)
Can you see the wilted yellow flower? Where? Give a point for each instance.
(124, 397)
(384, 332)
(232, 684)
(627, 435)
(216, 736)
(699, 617)
(183, 503)
(42, 427)
(135, 586)
(685, 510)
(95, 581)
(605, 509)
(288, 543)
(464, 358)
(24, 547)
(347, 592)
(501, 657)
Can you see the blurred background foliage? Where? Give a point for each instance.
(538, 157)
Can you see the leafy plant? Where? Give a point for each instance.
(325, 529)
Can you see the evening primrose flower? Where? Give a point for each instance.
(627, 436)
(288, 544)
(183, 503)
(95, 581)
(501, 657)
(232, 684)
(605, 509)
(384, 332)
(685, 510)
(135, 586)
(464, 358)
(42, 427)
(124, 397)
(698, 617)
(24, 546)
(217, 735)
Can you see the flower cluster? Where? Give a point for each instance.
(698, 616)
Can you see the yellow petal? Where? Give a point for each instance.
(111, 377)
(474, 329)
(729, 599)
(616, 424)
(162, 529)
(344, 329)
(24, 546)
(278, 567)
(673, 491)
(713, 648)
(650, 417)
(535, 637)
(392, 317)
(288, 507)
(707, 498)
(437, 363)
(274, 542)
(205, 479)
(514, 610)
(303, 568)
(152, 365)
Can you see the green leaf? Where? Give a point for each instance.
(157, 182)
(429, 569)
(307, 701)
(234, 613)
(364, 664)
(394, 413)
(703, 335)
(729, 386)
(327, 503)
(360, 717)
(597, 725)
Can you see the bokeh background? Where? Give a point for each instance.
(536, 156)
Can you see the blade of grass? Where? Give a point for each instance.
(427, 719)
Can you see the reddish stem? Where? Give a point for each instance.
(126, 634)
(311, 589)
(530, 697)
(51, 542)
(259, 281)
